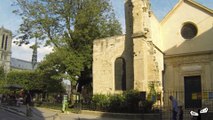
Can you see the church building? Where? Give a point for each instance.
(5, 48)
(175, 55)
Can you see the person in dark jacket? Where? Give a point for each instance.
(28, 100)
(180, 113)
(174, 107)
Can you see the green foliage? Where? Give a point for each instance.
(132, 99)
(29, 80)
(70, 26)
(127, 102)
(117, 103)
(146, 106)
(132, 96)
(2, 80)
(51, 82)
(56, 106)
(78, 22)
(152, 95)
(2, 73)
(35, 80)
(52, 71)
(101, 102)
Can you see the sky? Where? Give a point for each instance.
(11, 21)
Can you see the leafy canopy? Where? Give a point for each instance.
(71, 23)
(29, 80)
(68, 25)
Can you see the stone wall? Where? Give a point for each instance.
(144, 61)
(177, 67)
(5, 48)
(105, 52)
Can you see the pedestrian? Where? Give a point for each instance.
(1, 98)
(180, 113)
(174, 107)
(28, 100)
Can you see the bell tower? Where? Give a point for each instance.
(5, 48)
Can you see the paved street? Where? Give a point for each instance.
(85, 117)
(5, 115)
(18, 113)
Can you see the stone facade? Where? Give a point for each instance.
(143, 60)
(168, 54)
(5, 49)
(105, 51)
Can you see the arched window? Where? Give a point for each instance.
(2, 42)
(120, 74)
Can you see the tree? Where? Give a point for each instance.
(2, 79)
(52, 72)
(70, 26)
(2, 73)
(29, 80)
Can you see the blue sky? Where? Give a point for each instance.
(159, 7)
(12, 21)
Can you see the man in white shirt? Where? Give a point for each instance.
(174, 107)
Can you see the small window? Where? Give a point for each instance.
(189, 30)
(2, 43)
(5, 47)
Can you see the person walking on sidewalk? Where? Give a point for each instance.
(28, 100)
(180, 113)
(174, 107)
(1, 98)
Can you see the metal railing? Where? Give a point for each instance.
(205, 98)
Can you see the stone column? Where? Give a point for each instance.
(140, 13)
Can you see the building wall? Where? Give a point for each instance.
(156, 52)
(187, 57)
(144, 61)
(5, 48)
(105, 52)
(179, 67)
(174, 43)
(158, 56)
(148, 58)
(5, 53)
(155, 31)
(129, 45)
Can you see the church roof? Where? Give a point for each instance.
(191, 3)
(21, 64)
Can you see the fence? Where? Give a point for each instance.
(205, 98)
(164, 106)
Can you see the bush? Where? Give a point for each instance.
(128, 102)
(116, 103)
(146, 106)
(132, 99)
(100, 102)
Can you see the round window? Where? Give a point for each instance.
(189, 30)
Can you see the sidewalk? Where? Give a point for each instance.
(37, 113)
(50, 114)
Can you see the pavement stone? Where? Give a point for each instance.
(50, 114)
